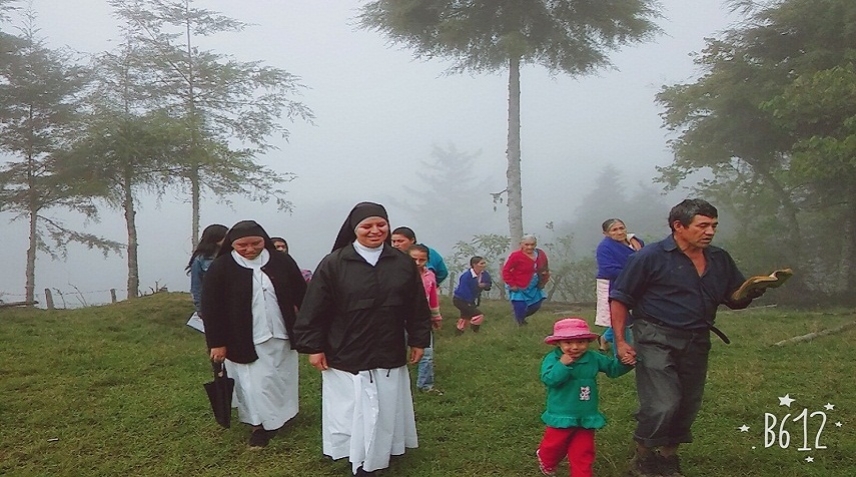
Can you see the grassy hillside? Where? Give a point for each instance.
(116, 390)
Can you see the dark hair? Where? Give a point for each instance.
(421, 248)
(208, 243)
(475, 260)
(608, 223)
(689, 208)
(280, 239)
(406, 231)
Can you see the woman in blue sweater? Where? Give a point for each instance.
(612, 254)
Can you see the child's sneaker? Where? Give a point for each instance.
(431, 390)
(544, 469)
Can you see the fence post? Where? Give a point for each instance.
(49, 299)
(113, 295)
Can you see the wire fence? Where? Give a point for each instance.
(52, 298)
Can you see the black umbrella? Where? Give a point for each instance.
(220, 395)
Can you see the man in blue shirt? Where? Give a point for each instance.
(673, 288)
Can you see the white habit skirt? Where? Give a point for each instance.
(367, 417)
(603, 317)
(266, 389)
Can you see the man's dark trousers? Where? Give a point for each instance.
(671, 371)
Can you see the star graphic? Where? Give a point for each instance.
(809, 459)
(786, 400)
(829, 406)
(744, 428)
(838, 424)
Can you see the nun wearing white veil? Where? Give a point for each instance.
(365, 305)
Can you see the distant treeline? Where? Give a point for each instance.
(155, 114)
(769, 127)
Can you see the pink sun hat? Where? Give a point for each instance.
(570, 329)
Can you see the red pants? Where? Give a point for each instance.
(575, 442)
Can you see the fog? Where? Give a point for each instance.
(379, 113)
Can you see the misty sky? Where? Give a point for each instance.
(378, 114)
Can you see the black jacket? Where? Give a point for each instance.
(227, 302)
(357, 314)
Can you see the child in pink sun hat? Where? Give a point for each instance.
(570, 373)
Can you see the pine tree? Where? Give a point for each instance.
(571, 37)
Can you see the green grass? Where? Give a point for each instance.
(116, 390)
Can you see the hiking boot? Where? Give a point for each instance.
(645, 466)
(670, 466)
(544, 469)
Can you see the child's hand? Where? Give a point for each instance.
(566, 359)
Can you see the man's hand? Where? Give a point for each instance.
(318, 361)
(626, 353)
(416, 354)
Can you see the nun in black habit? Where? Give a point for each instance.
(364, 307)
(249, 297)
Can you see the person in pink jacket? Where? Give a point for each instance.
(425, 377)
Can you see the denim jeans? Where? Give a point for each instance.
(425, 369)
(671, 369)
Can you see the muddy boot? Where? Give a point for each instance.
(645, 466)
(670, 466)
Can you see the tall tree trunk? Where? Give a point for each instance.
(131, 225)
(195, 152)
(515, 191)
(32, 205)
(194, 201)
(30, 290)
